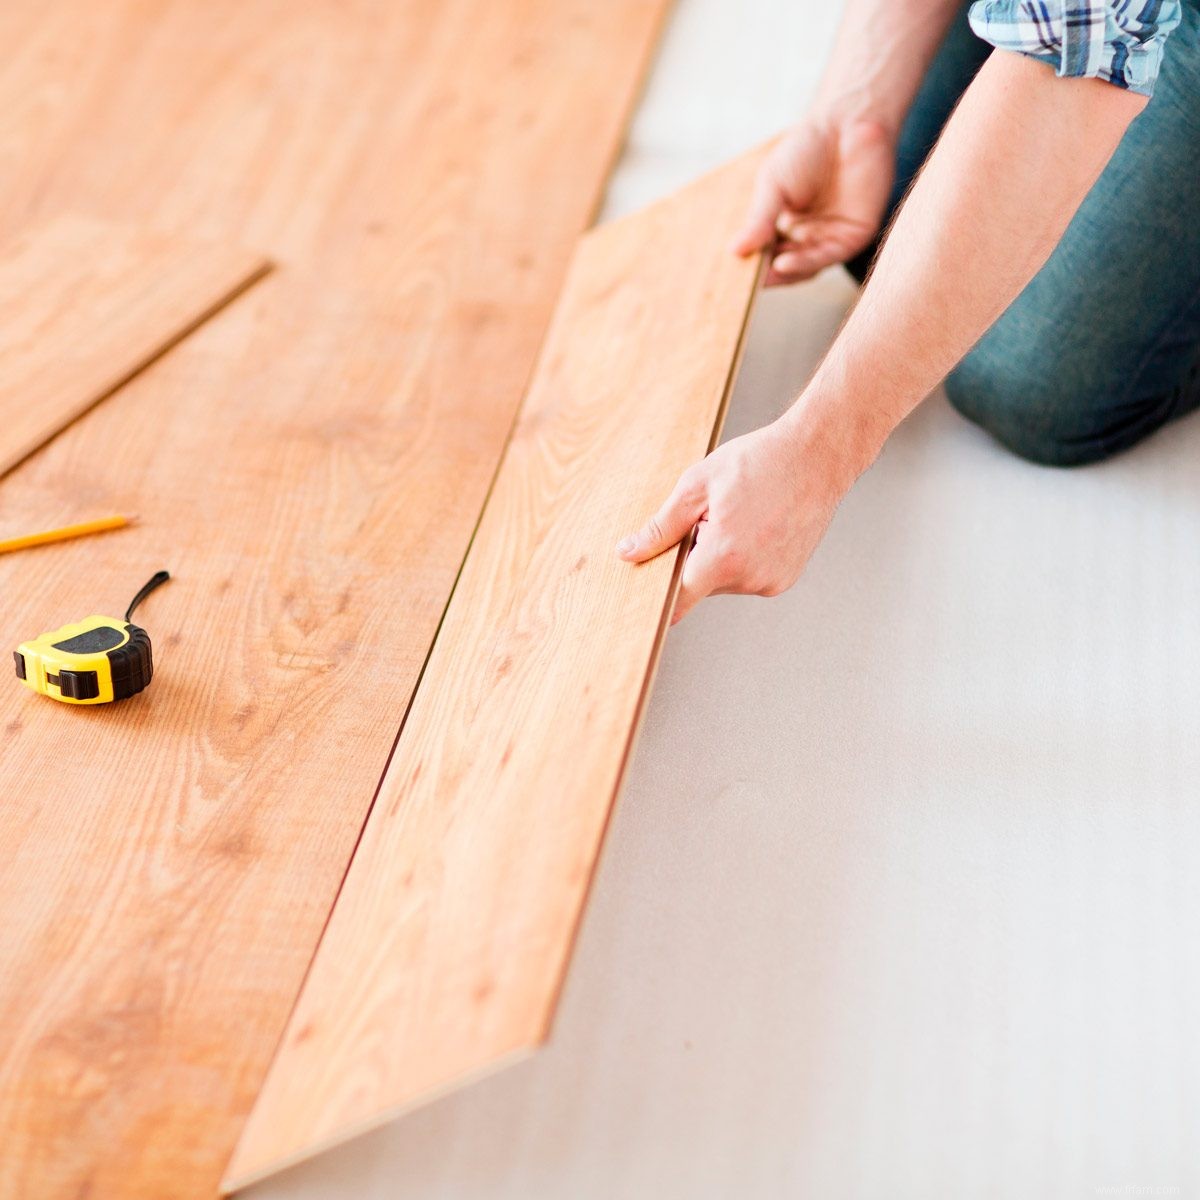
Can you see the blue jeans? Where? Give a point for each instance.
(1103, 346)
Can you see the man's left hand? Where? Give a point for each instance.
(758, 504)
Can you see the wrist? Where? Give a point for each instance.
(879, 59)
(855, 106)
(844, 434)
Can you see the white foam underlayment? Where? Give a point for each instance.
(901, 897)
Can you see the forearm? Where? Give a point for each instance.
(1012, 166)
(880, 54)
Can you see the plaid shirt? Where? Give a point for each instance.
(1120, 41)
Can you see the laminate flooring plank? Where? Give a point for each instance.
(446, 949)
(310, 464)
(85, 304)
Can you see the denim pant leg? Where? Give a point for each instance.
(1103, 346)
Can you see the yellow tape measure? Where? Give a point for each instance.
(94, 661)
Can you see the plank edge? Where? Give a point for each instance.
(236, 1180)
(660, 638)
(257, 267)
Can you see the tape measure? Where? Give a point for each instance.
(94, 661)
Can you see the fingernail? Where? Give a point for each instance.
(625, 545)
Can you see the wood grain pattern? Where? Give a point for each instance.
(446, 949)
(310, 464)
(85, 304)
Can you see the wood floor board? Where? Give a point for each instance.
(310, 464)
(446, 949)
(85, 304)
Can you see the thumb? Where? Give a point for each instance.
(758, 230)
(787, 180)
(669, 526)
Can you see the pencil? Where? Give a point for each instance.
(61, 535)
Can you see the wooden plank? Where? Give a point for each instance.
(446, 949)
(310, 464)
(85, 305)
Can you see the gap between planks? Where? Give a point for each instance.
(87, 304)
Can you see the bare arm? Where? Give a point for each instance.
(880, 55)
(1012, 166)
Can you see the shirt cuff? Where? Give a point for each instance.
(1119, 42)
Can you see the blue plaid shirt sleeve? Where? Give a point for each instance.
(1120, 41)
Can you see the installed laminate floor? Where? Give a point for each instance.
(86, 304)
(309, 464)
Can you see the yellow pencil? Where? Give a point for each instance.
(61, 535)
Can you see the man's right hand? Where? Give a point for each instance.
(820, 197)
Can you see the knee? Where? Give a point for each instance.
(1041, 419)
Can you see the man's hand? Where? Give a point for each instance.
(1007, 175)
(822, 192)
(759, 505)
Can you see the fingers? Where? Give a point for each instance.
(718, 566)
(786, 182)
(808, 246)
(758, 231)
(704, 572)
(856, 206)
(796, 263)
(670, 525)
